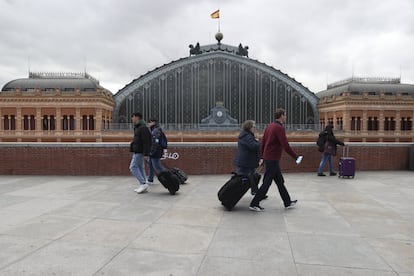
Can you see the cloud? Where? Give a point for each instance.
(315, 42)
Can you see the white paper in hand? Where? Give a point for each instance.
(299, 159)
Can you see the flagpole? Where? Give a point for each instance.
(219, 21)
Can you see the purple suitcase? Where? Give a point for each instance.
(346, 164)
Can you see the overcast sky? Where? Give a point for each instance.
(316, 42)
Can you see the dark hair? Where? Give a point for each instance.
(136, 114)
(329, 128)
(153, 120)
(279, 112)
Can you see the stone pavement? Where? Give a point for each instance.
(64, 225)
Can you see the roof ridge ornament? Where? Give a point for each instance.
(239, 50)
(195, 50)
(243, 51)
(219, 37)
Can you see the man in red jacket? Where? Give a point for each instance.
(273, 143)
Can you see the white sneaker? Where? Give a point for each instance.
(256, 208)
(142, 188)
(150, 182)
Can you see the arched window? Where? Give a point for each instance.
(91, 122)
(72, 122)
(25, 122)
(32, 122)
(52, 122)
(45, 123)
(65, 122)
(84, 122)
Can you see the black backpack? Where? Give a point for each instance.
(321, 141)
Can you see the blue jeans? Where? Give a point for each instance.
(137, 167)
(154, 165)
(326, 157)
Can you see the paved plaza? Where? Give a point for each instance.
(77, 225)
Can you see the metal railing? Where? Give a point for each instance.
(205, 127)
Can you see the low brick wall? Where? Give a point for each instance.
(193, 158)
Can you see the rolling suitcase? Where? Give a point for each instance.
(182, 176)
(169, 181)
(346, 164)
(233, 190)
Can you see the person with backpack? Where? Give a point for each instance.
(327, 144)
(159, 144)
(140, 147)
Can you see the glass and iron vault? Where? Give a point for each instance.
(217, 85)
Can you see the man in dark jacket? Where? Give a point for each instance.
(140, 147)
(273, 143)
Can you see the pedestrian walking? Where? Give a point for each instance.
(274, 141)
(329, 142)
(140, 148)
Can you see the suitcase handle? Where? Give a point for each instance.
(260, 169)
(345, 151)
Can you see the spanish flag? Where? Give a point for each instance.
(215, 14)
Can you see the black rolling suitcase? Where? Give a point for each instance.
(169, 181)
(182, 176)
(233, 190)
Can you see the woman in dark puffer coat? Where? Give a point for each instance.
(248, 151)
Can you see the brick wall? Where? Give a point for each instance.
(193, 158)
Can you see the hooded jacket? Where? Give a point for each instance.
(248, 150)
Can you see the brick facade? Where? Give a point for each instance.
(193, 158)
